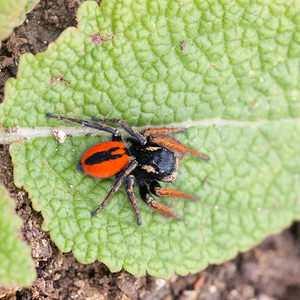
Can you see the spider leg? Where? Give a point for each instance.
(115, 132)
(140, 137)
(162, 130)
(129, 188)
(144, 192)
(131, 166)
(173, 145)
(164, 192)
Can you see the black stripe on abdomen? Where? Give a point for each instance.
(100, 157)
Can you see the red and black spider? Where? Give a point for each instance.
(146, 158)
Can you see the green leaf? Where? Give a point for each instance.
(12, 14)
(228, 71)
(16, 264)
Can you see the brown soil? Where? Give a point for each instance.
(269, 271)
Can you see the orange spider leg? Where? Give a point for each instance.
(172, 144)
(162, 130)
(164, 192)
(155, 204)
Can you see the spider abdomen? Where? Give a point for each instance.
(105, 159)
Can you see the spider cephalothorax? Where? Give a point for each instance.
(146, 158)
